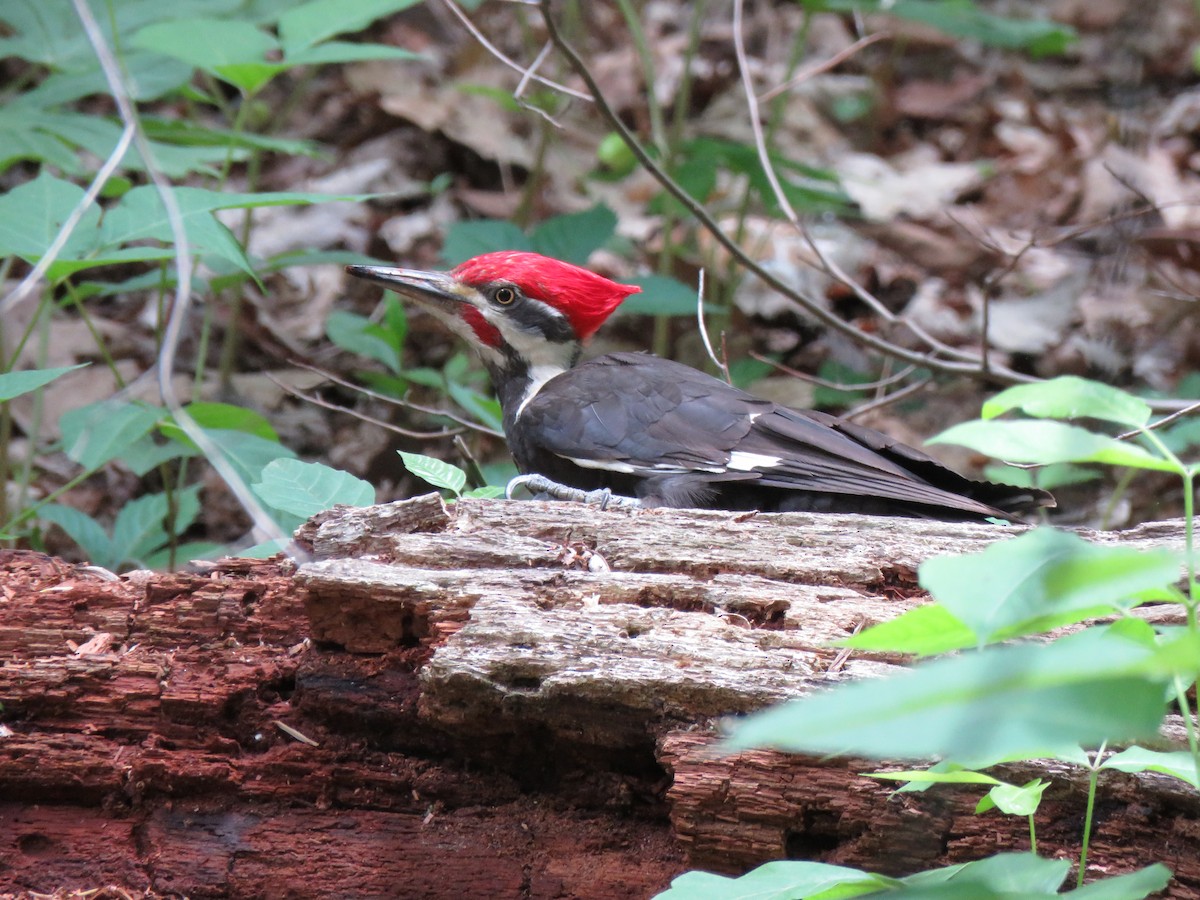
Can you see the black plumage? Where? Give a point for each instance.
(674, 436)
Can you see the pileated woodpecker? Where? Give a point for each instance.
(666, 434)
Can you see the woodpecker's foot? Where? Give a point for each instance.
(541, 486)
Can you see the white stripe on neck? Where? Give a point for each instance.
(538, 376)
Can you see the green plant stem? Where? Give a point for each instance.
(5, 462)
(1032, 835)
(658, 132)
(1093, 777)
(524, 211)
(101, 346)
(1119, 489)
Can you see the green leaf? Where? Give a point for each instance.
(487, 492)
(1008, 702)
(923, 630)
(1049, 442)
(32, 214)
(485, 409)
(438, 473)
(140, 528)
(1045, 576)
(780, 880)
(359, 335)
(1048, 477)
(99, 432)
(1070, 397)
(1177, 763)
(467, 239)
(249, 454)
(574, 238)
(307, 24)
(343, 52)
(222, 417)
(231, 49)
(146, 453)
(927, 776)
(305, 489)
(1131, 886)
(1013, 800)
(14, 384)
(83, 530)
(1002, 875)
(661, 296)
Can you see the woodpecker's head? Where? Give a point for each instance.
(514, 307)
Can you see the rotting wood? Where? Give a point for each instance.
(493, 689)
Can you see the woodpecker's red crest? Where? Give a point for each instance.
(585, 298)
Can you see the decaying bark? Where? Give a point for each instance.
(487, 699)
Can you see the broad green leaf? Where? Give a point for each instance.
(661, 296)
(249, 454)
(140, 528)
(1020, 874)
(232, 49)
(1176, 763)
(780, 880)
(307, 24)
(1049, 442)
(467, 239)
(957, 18)
(99, 432)
(222, 417)
(1001, 702)
(305, 489)
(1048, 477)
(1070, 397)
(928, 776)
(353, 332)
(923, 630)
(487, 492)
(343, 52)
(146, 453)
(32, 214)
(14, 384)
(486, 409)
(1131, 886)
(575, 237)
(1013, 800)
(438, 473)
(83, 530)
(1045, 576)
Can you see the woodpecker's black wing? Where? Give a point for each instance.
(675, 436)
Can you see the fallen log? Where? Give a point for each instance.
(487, 699)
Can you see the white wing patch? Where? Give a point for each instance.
(747, 462)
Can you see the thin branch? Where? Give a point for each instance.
(363, 417)
(697, 210)
(724, 369)
(264, 527)
(511, 63)
(817, 68)
(827, 263)
(68, 226)
(887, 399)
(1178, 414)
(396, 401)
(836, 385)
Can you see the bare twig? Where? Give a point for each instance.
(887, 400)
(835, 385)
(827, 263)
(362, 417)
(824, 66)
(396, 401)
(264, 526)
(698, 211)
(511, 63)
(1178, 414)
(724, 369)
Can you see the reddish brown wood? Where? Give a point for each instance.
(489, 699)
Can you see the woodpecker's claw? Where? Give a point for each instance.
(541, 485)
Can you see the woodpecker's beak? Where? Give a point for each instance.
(439, 290)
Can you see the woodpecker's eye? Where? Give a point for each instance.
(504, 296)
